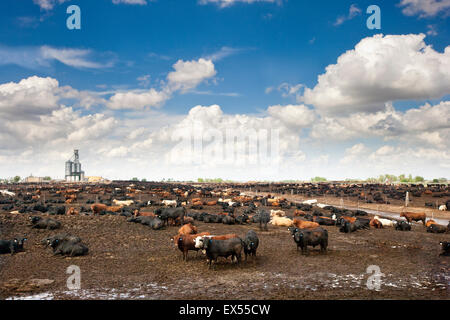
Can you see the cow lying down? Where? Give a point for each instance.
(68, 246)
(12, 246)
(45, 223)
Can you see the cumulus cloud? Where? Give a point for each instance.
(189, 74)
(415, 126)
(381, 69)
(425, 8)
(186, 76)
(134, 100)
(29, 97)
(297, 116)
(358, 151)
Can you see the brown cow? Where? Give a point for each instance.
(299, 213)
(186, 242)
(114, 208)
(225, 236)
(137, 213)
(349, 219)
(188, 229)
(188, 220)
(98, 207)
(430, 222)
(302, 224)
(412, 216)
(376, 224)
(72, 212)
(211, 203)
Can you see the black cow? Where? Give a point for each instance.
(61, 237)
(403, 226)
(153, 222)
(445, 248)
(223, 248)
(310, 237)
(12, 246)
(325, 221)
(242, 219)
(45, 223)
(436, 228)
(347, 226)
(68, 248)
(228, 220)
(57, 210)
(170, 213)
(251, 243)
(264, 218)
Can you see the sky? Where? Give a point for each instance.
(236, 89)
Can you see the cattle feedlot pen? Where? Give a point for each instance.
(225, 158)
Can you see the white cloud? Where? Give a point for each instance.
(352, 13)
(144, 80)
(227, 3)
(38, 57)
(425, 8)
(134, 100)
(381, 69)
(189, 74)
(72, 57)
(297, 116)
(48, 4)
(431, 30)
(223, 53)
(139, 2)
(416, 126)
(357, 152)
(28, 98)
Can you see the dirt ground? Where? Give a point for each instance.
(131, 261)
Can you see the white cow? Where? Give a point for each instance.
(279, 213)
(443, 207)
(123, 202)
(321, 205)
(170, 203)
(311, 202)
(8, 193)
(385, 222)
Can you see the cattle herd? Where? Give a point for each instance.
(191, 212)
(164, 205)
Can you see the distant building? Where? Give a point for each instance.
(73, 169)
(32, 179)
(95, 179)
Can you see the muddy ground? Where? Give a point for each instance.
(131, 261)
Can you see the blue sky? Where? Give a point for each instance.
(258, 51)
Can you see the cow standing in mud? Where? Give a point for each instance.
(412, 216)
(175, 214)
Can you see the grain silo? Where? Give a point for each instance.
(73, 169)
